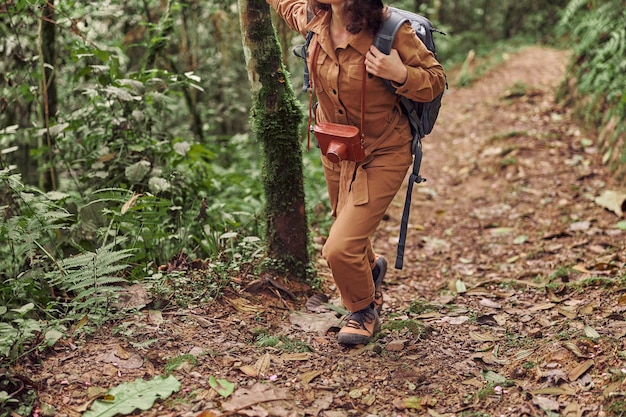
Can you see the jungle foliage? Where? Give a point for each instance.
(596, 84)
(125, 142)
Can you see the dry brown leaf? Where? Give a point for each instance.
(572, 347)
(243, 306)
(523, 354)
(576, 373)
(486, 302)
(263, 364)
(587, 310)
(156, 317)
(475, 382)
(300, 356)
(545, 403)
(563, 389)
(612, 200)
(611, 389)
(130, 203)
(309, 376)
(429, 315)
(568, 312)
(483, 337)
(249, 370)
(122, 353)
(590, 332)
(542, 307)
(573, 410)
(489, 358)
(257, 394)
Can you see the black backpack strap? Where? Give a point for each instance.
(387, 33)
(303, 52)
(414, 178)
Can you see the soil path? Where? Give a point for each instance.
(508, 304)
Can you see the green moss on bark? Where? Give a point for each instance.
(276, 118)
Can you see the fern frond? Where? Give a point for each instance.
(101, 281)
(93, 277)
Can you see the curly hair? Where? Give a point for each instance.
(360, 15)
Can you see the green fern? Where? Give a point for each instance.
(92, 278)
(30, 223)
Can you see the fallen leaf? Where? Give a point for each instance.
(545, 403)
(122, 353)
(568, 312)
(223, 387)
(317, 303)
(299, 356)
(564, 389)
(576, 373)
(131, 201)
(613, 201)
(263, 364)
(500, 231)
(243, 306)
(523, 354)
(156, 317)
(259, 393)
(590, 332)
(414, 403)
(249, 370)
(138, 394)
(542, 307)
(309, 376)
(579, 226)
(573, 410)
(318, 322)
(493, 377)
(572, 347)
(475, 382)
(483, 337)
(485, 302)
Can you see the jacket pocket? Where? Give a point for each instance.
(321, 72)
(355, 71)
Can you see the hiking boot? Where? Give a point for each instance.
(378, 274)
(360, 327)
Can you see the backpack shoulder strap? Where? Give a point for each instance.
(387, 33)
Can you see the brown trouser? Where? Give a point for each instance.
(348, 249)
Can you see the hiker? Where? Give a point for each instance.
(361, 190)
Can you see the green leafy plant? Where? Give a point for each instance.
(16, 329)
(598, 37)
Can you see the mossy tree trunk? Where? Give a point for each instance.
(276, 117)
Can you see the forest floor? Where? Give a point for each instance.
(510, 303)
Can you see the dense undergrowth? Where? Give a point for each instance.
(596, 82)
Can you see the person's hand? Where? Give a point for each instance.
(385, 66)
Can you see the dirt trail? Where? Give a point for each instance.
(505, 306)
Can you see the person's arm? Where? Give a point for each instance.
(413, 69)
(293, 12)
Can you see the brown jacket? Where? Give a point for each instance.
(338, 89)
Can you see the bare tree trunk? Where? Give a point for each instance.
(276, 118)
